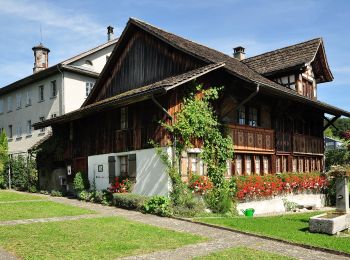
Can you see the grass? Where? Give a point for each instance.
(14, 196)
(242, 253)
(100, 238)
(291, 227)
(39, 209)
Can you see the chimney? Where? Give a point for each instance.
(239, 53)
(110, 34)
(41, 58)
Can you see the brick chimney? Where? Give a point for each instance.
(239, 53)
(110, 34)
(41, 58)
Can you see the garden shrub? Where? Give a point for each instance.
(56, 193)
(24, 174)
(336, 157)
(78, 183)
(85, 195)
(129, 200)
(158, 205)
(219, 200)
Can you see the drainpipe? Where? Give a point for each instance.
(171, 118)
(61, 105)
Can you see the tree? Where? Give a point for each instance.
(3, 158)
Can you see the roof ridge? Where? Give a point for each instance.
(87, 52)
(281, 49)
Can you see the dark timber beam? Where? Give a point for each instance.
(161, 107)
(330, 122)
(244, 101)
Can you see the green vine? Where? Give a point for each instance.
(197, 121)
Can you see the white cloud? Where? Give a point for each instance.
(345, 69)
(51, 16)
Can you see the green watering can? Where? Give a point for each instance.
(248, 212)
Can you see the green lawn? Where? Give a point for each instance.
(14, 196)
(100, 238)
(242, 253)
(38, 209)
(292, 227)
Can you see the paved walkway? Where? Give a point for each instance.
(218, 238)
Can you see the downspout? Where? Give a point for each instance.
(61, 104)
(171, 118)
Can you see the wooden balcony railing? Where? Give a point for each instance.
(307, 144)
(252, 139)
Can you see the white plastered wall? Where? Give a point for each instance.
(151, 176)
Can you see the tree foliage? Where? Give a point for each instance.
(3, 158)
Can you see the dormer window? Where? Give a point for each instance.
(88, 62)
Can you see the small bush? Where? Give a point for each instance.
(3, 182)
(78, 183)
(190, 208)
(85, 195)
(56, 193)
(219, 200)
(129, 200)
(158, 205)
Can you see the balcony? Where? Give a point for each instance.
(252, 139)
(308, 144)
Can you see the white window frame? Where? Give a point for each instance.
(88, 87)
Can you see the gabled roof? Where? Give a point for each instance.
(291, 58)
(64, 65)
(132, 96)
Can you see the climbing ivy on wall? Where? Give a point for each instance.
(197, 120)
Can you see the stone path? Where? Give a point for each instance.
(218, 239)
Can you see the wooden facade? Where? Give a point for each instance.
(271, 132)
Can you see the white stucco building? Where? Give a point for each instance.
(49, 92)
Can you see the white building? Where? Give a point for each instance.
(48, 92)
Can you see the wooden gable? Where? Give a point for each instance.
(140, 59)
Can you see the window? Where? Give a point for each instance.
(9, 104)
(124, 118)
(238, 164)
(53, 115)
(53, 88)
(195, 164)
(295, 165)
(284, 163)
(28, 98)
(278, 164)
(266, 164)
(123, 165)
(19, 131)
(300, 164)
(287, 81)
(41, 93)
(18, 101)
(241, 115)
(253, 116)
(29, 127)
(257, 165)
(89, 86)
(1, 106)
(248, 164)
(10, 134)
(41, 119)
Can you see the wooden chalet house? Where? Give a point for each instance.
(269, 105)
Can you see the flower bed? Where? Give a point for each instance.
(120, 185)
(200, 184)
(260, 187)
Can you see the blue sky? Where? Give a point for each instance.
(70, 27)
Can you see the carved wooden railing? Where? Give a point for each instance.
(248, 138)
(308, 144)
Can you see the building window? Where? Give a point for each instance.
(19, 131)
(41, 119)
(248, 164)
(284, 163)
(241, 115)
(41, 93)
(307, 164)
(300, 164)
(53, 115)
(238, 164)
(89, 86)
(295, 165)
(257, 165)
(253, 116)
(1, 106)
(53, 88)
(18, 100)
(278, 164)
(124, 118)
(28, 98)
(266, 164)
(9, 104)
(195, 164)
(123, 165)
(10, 133)
(29, 127)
